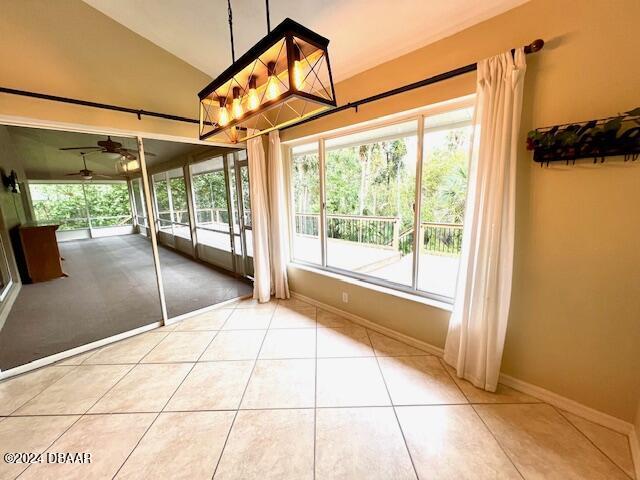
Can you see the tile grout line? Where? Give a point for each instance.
(559, 412)
(224, 445)
(166, 403)
(263, 358)
(63, 432)
(315, 399)
(82, 415)
(76, 368)
(395, 413)
(502, 448)
(442, 364)
(73, 367)
(327, 407)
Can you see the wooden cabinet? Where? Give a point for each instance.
(37, 254)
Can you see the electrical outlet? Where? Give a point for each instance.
(345, 297)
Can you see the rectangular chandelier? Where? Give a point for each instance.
(281, 80)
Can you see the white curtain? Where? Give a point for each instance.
(478, 323)
(260, 219)
(278, 215)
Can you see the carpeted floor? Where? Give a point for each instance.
(111, 289)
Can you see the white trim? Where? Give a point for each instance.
(217, 306)
(634, 443)
(10, 295)
(30, 122)
(41, 362)
(396, 292)
(569, 405)
(427, 347)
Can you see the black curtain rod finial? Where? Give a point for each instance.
(534, 46)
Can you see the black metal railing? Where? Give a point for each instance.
(441, 238)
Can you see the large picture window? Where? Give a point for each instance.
(305, 170)
(384, 205)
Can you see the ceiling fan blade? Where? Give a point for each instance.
(148, 154)
(71, 174)
(102, 176)
(81, 148)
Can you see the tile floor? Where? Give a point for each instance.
(287, 391)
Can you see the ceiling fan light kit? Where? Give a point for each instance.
(126, 160)
(281, 80)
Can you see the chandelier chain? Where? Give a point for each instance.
(233, 52)
(268, 19)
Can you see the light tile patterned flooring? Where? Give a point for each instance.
(287, 391)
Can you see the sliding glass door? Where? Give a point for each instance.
(211, 199)
(241, 206)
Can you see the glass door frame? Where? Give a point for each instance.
(238, 165)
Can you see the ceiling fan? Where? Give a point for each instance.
(85, 173)
(109, 146)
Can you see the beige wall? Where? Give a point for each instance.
(574, 326)
(13, 210)
(69, 49)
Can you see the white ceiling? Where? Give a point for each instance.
(363, 33)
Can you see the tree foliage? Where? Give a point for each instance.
(378, 179)
(65, 203)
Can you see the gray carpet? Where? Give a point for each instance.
(111, 289)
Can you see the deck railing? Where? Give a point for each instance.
(443, 238)
(78, 223)
(370, 230)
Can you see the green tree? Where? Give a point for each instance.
(70, 203)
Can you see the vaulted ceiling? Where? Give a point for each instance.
(363, 33)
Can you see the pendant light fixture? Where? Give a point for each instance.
(281, 80)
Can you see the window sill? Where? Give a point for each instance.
(372, 286)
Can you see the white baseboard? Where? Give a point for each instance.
(372, 325)
(569, 405)
(634, 443)
(547, 396)
(8, 302)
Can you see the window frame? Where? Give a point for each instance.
(419, 115)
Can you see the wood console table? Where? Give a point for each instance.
(37, 254)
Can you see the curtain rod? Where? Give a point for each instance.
(104, 106)
(533, 47)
